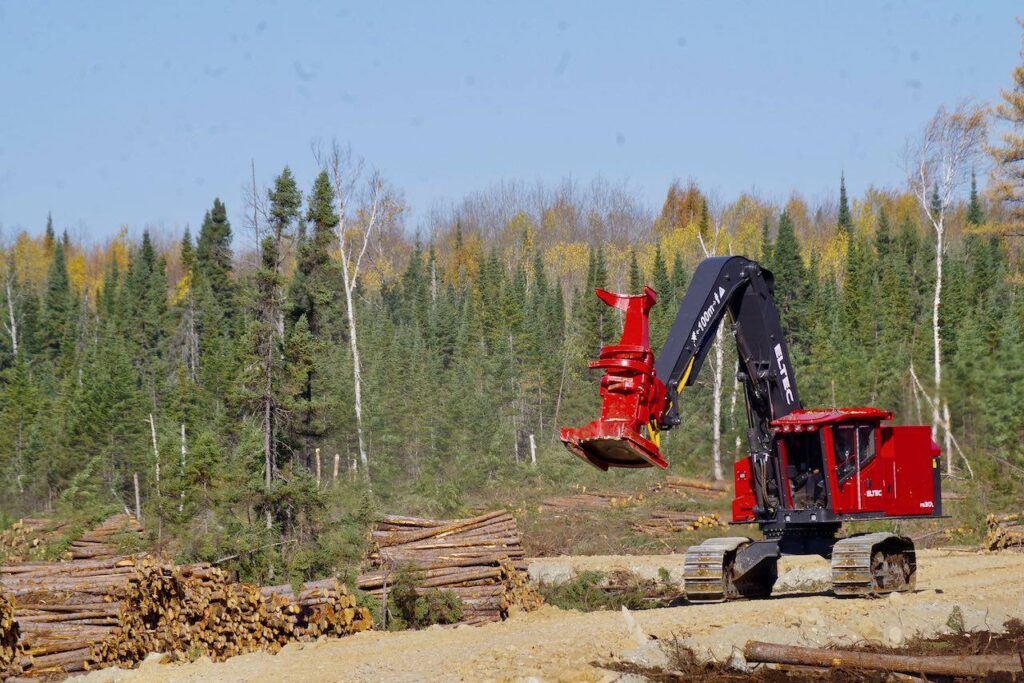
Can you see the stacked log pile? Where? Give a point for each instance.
(11, 655)
(68, 612)
(1005, 532)
(667, 522)
(480, 560)
(714, 489)
(82, 615)
(109, 538)
(589, 500)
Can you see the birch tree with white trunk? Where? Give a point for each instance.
(717, 370)
(938, 165)
(366, 205)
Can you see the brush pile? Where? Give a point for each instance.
(1005, 532)
(686, 485)
(589, 500)
(663, 523)
(479, 559)
(83, 615)
(27, 538)
(109, 539)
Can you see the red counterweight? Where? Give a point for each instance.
(632, 396)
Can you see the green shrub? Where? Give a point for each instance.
(411, 607)
(588, 592)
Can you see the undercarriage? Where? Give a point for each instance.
(737, 567)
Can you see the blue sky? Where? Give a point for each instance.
(139, 114)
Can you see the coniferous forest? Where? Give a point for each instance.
(259, 388)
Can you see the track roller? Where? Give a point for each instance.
(873, 565)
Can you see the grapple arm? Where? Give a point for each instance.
(639, 392)
(632, 397)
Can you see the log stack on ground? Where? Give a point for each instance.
(109, 538)
(1005, 532)
(665, 522)
(687, 485)
(82, 615)
(480, 560)
(11, 655)
(589, 500)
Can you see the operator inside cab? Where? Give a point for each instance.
(805, 469)
(854, 448)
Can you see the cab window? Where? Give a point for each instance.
(854, 448)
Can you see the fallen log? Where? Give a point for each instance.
(590, 500)
(937, 665)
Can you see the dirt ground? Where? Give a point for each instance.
(552, 645)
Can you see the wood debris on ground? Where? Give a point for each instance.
(621, 583)
(479, 559)
(109, 538)
(713, 489)
(590, 500)
(88, 614)
(27, 537)
(932, 537)
(669, 522)
(1005, 532)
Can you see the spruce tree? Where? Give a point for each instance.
(187, 251)
(314, 300)
(214, 255)
(146, 293)
(975, 214)
(861, 335)
(260, 384)
(594, 318)
(314, 290)
(285, 209)
(21, 404)
(49, 237)
(285, 205)
(790, 279)
(845, 220)
(217, 315)
(636, 276)
(668, 300)
(679, 276)
(58, 305)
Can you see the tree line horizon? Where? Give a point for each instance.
(263, 406)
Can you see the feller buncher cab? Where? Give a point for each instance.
(806, 472)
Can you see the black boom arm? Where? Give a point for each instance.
(746, 291)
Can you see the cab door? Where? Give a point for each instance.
(858, 480)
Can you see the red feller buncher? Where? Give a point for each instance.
(807, 471)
